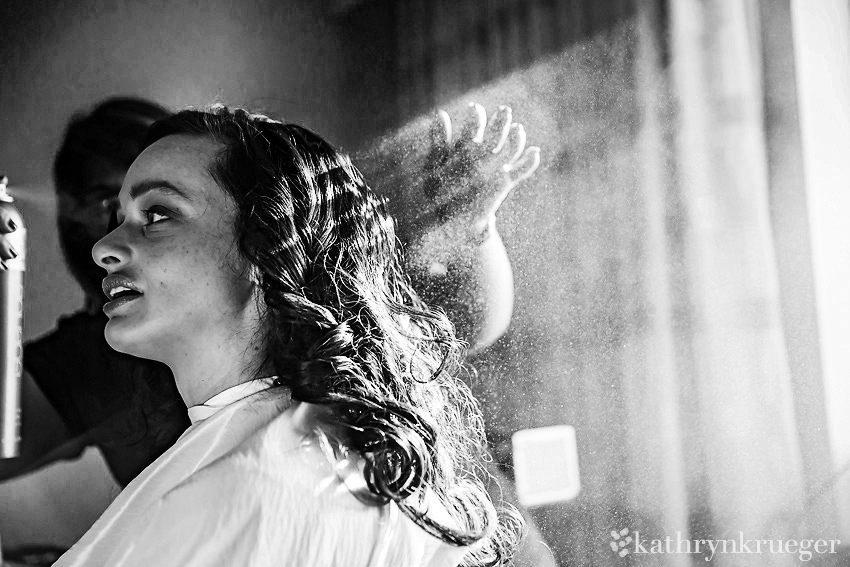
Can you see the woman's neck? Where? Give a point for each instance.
(203, 369)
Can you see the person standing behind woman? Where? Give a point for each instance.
(330, 426)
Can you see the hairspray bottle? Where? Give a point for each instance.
(11, 332)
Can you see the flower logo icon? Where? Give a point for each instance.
(619, 541)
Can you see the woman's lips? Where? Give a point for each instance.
(120, 290)
(110, 307)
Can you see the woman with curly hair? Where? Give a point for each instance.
(329, 424)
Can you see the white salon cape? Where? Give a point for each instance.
(247, 484)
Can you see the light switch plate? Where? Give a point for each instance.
(546, 465)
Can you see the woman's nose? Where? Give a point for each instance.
(112, 252)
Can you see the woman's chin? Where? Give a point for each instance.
(124, 338)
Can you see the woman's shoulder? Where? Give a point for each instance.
(280, 486)
(300, 511)
(280, 464)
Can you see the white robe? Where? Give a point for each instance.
(247, 484)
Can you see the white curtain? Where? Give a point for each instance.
(664, 283)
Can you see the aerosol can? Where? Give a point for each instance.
(11, 331)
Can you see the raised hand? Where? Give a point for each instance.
(446, 179)
(471, 168)
(454, 252)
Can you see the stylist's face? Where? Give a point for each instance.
(83, 219)
(174, 272)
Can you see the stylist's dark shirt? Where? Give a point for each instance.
(126, 406)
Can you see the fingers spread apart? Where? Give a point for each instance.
(473, 126)
(498, 134)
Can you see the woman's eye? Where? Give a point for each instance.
(154, 216)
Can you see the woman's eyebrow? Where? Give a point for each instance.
(160, 185)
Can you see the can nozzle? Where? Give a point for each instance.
(4, 195)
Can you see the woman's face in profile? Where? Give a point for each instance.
(174, 274)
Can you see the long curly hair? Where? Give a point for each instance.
(344, 329)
